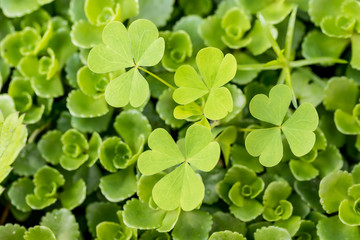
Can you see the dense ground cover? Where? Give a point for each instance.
(188, 119)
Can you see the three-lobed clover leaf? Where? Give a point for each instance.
(215, 71)
(182, 187)
(139, 45)
(298, 129)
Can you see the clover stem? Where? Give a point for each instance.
(290, 34)
(259, 66)
(157, 77)
(5, 214)
(312, 61)
(37, 131)
(246, 129)
(287, 73)
(275, 46)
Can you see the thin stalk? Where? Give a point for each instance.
(157, 77)
(246, 129)
(271, 39)
(312, 61)
(37, 131)
(290, 34)
(5, 214)
(260, 66)
(289, 83)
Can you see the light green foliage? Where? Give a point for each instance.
(276, 205)
(272, 233)
(122, 48)
(339, 20)
(182, 187)
(39, 232)
(178, 49)
(47, 180)
(13, 136)
(194, 223)
(209, 118)
(226, 235)
(20, 8)
(62, 223)
(239, 188)
(216, 70)
(90, 17)
(298, 129)
(70, 149)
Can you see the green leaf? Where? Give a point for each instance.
(138, 214)
(90, 83)
(303, 171)
(192, 224)
(164, 153)
(333, 189)
(74, 195)
(13, 136)
(355, 46)
(157, 11)
(50, 146)
(292, 224)
(271, 109)
(226, 235)
(98, 212)
(115, 154)
(20, 8)
(348, 212)
(125, 188)
(18, 191)
(316, 44)
(225, 221)
(340, 93)
(332, 228)
(298, 129)
(317, 12)
(178, 49)
(12, 232)
(214, 76)
(134, 128)
(272, 232)
(166, 108)
(83, 106)
(249, 210)
(85, 35)
(62, 223)
(328, 161)
(187, 189)
(28, 161)
(267, 144)
(99, 124)
(39, 232)
(130, 87)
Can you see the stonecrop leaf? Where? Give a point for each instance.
(139, 45)
(216, 70)
(298, 129)
(187, 188)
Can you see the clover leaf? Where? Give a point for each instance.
(298, 129)
(139, 45)
(216, 70)
(182, 187)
